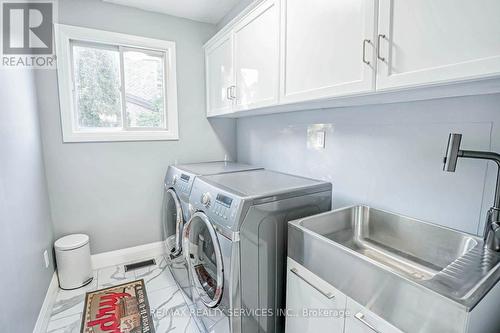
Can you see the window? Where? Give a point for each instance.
(115, 87)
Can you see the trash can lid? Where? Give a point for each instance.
(71, 242)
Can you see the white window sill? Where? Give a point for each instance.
(120, 136)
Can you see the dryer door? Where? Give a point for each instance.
(172, 222)
(204, 258)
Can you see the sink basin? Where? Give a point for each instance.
(410, 247)
(405, 270)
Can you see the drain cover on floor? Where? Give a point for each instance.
(141, 264)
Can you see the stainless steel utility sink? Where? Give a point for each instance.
(415, 249)
(390, 263)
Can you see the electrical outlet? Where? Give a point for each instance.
(46, 258)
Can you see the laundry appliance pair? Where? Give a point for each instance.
(233, 247)
(177, 210)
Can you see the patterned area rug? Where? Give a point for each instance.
(118, 309)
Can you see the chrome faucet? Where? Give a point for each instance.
(453, 152)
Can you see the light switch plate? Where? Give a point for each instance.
(320, 139)
(316, 136)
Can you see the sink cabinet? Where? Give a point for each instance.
(313, 305)
(361, 320)
(307, 294)
(285, 55)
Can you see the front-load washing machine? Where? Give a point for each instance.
(178, 183)
(235, 245)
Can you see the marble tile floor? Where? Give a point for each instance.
(169, 309)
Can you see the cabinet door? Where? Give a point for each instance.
(327, 48)
(429, 41)
(360, 320)
(307, 295)
(256, 54)
(219, 72)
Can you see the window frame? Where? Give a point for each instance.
(66, 37)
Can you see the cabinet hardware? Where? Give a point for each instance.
(364, 50)
(232, 92)
(327, 294)
(228, 94)
(361, 317)
(378, 46)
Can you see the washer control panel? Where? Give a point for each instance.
(180, 181)
(183, 183)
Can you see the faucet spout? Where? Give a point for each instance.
(453, 152)
(491, 156)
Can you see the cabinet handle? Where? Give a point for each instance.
(327, 294)
(364, 50)
(233, 92)
(378, 46)
(228, 94)
(361, 317)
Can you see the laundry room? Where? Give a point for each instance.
(243, 166)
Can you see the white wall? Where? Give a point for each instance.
(26, 229)
(242, 4)
(388, 156)
(113, 191)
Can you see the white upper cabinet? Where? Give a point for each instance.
(256, 57)
(306, 54)
(429, 41)
(327, 48)
(219, 76)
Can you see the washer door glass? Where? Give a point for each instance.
(204, 259)
(172, 222)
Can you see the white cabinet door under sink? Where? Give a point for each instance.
(256, 57)
(361, 320)
(428, 41)
(307, 292)
(327, 48)
(220, 76)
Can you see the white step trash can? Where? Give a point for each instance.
(73, 261)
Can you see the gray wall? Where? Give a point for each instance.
(388, 156)
(113, 191)
(26, 230)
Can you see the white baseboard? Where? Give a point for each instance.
(44, 315)
(130, 254)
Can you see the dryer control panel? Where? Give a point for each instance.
(221, 206)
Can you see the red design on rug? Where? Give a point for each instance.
(107, 317)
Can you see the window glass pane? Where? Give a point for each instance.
(144, 89)
(97, 84)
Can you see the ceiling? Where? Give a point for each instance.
(209, 11)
